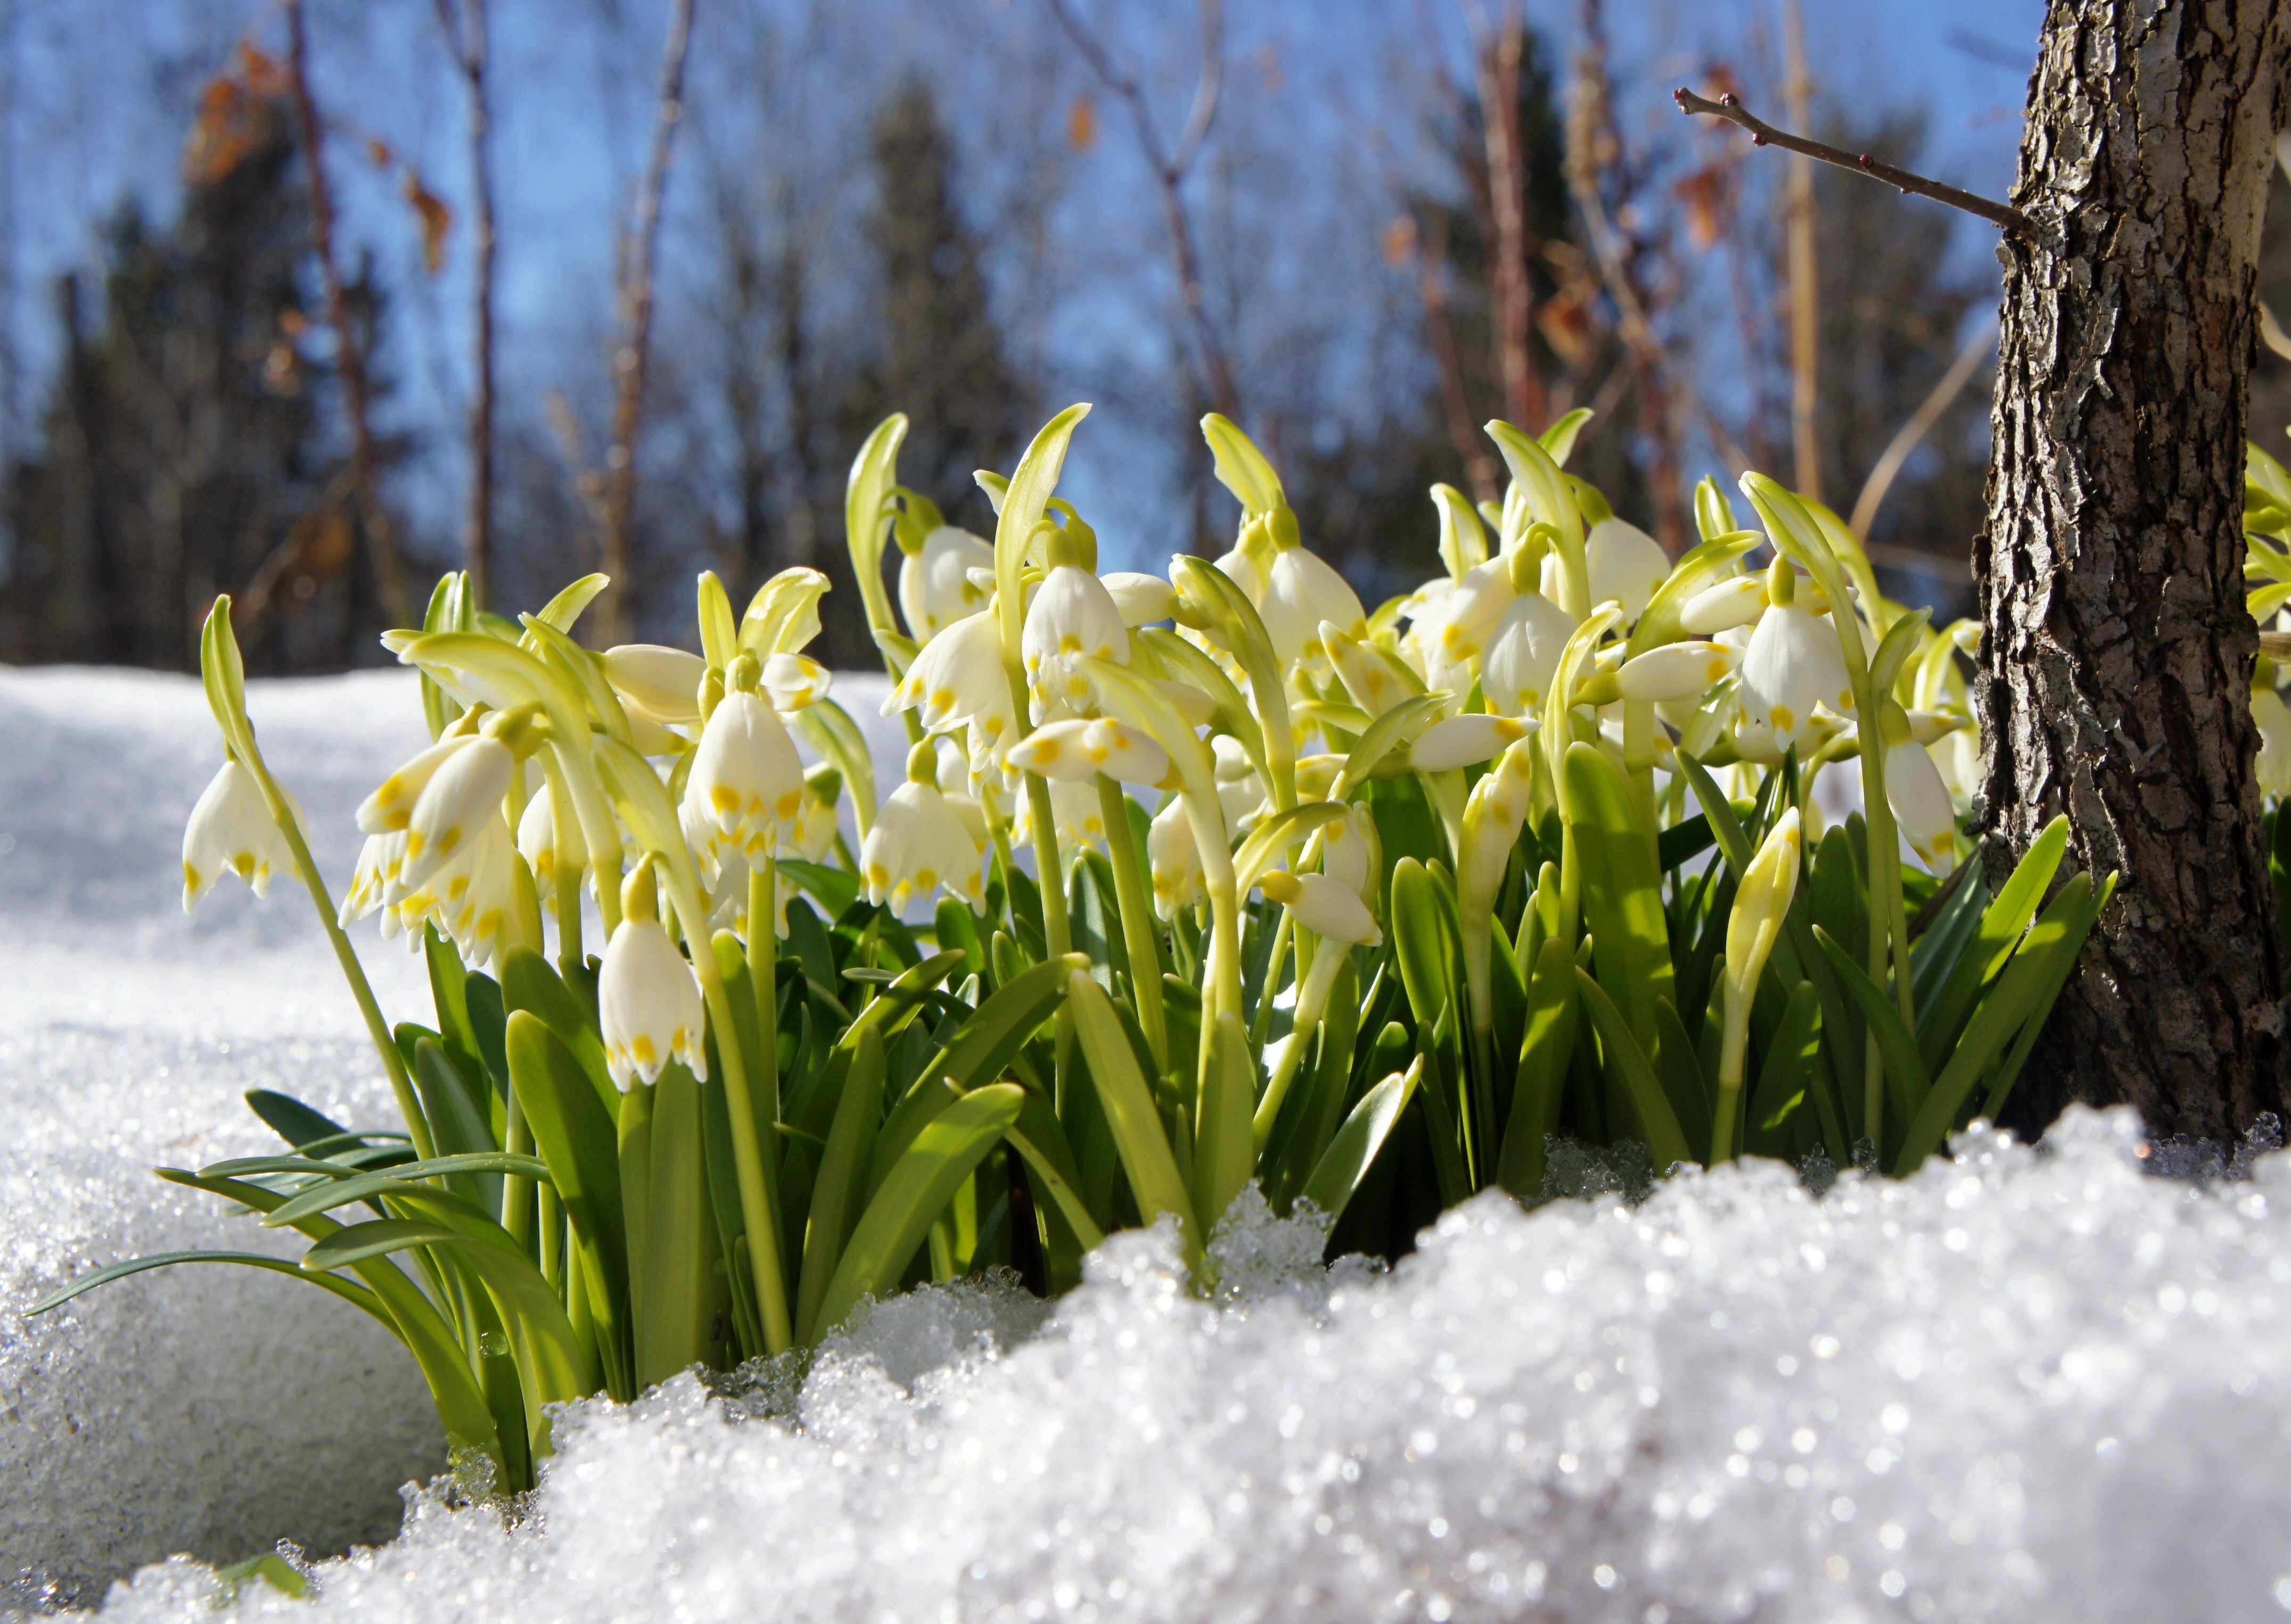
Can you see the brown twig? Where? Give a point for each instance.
(349, 357)
(1805, 278)
(468, 37)
(1170, 167)
(1730, 107)
(1906, 437)
(1497, 51)
(636, 298)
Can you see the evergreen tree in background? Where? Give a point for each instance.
(185, 446)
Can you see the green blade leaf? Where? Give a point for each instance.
(2002, 923)
(1907, 1081)
(1622, 888)
(397, 1180)
(923, 1182)
(349, 1291)
(580, 1145)
(1665, 1142)
(1143, 1148)
(839, 1184)
(1787, 1073)
(1223, 1144)
(1544, 1058)
(1353, 1151)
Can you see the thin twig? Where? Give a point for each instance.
(469, 37)
(636, 296)
(349, 357)
(1805, 280)
(1730, 107)
(1497, 48)
(1906, 437)
(1170, 169)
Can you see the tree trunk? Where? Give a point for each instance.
(2116, 659)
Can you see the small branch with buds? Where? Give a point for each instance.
(1730, 107)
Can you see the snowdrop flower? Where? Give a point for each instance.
(1675, 670)
(1075, 811)
(231, 830)
(935, 585)
(792, 681)
(1241, 793)
(661, 682)
(1499, 807)
(1475, 608)
(1300, 592)
(1348, 850)
(1324, 906)
(375, 881)
(1735, 602)
(1241, 570)
(1465, 741)
(746, 778)
(1175, 860)
(1921, 803)
(1367, 674)
(1073, 615)
(647, 1001)
(390, 807)
(472, 894)
(545, 851)
(1141, 599)
(1078, 751)
(1523, 654)
(1625, 564)
(1794, 663)
(2273, 719)
(958, 682)
(918, 843)
(463, 796)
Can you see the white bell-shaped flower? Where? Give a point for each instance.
(1426, 610)
(662, 683)
(1523, 653)
(1376, 681)
(1476, 607)
(790, 681)
(1079, 751)
(1735, 602)
(935, 585)
(1465, 741)
(230, 830)
(1493, 818)
(473, 894)
(372, 881)
(1175, 860)
(1073, 615)
(546, 851)
(1075, 811)
(918, 843)
(1241, 793)
(1301, 590)
(648, 1001)
(1324, 906)
(463, 796)
(1241, 570)
(1921, 805)
(1793, 663)
(959, 683)
(1625, 564)
(1675, 670)
(1141, 599)
(391, 807)
(746, 778)
(1349, 849)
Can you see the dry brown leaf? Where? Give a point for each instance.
(1082, 123)
(437, 221)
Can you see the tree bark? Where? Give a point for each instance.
(2116, 659)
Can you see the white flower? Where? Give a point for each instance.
(1349, 848)
(2273, 719)
(1499, 807)
(375, 881)
(1073, 615)
(792, 681)
(1175, 860)
(1921, 805)
(1625, 564)
(230, 830)
(545, 851)
(391, 804)
(1376, 680)
(1074, 810)
(1523, 654)
(1301, 592)
(472, 894)
(918, 843)
(1793, 663)
(662, 683)
(1463, 741)
(958, 682)
(1080, 751)
(464, 795)
(647, 1001)
(1475, 608)
(1675, 670)
(1241, 570)
(1241, 793)
(1324, 906)
(935, 586)
(746, 778)
(1735, 602)
(1141, 599)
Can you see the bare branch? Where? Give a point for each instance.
(1730, 107)
(350, 356)
(468, 37)
(1906, 437)
(636, 297)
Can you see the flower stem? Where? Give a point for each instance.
(1049, 868)
(1138, 923)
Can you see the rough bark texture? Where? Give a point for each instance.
(2115, 666)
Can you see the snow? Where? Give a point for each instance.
(2025, 1385)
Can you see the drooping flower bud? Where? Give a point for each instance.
(648, 1003)
(230, 830)
(1324, 906)
(918, 843)
(935, 586)
(1675, 670)
(1078, 751)
(1465, 741)
(1760, 905)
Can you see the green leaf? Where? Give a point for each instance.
(1907, 1081)
(1680, 1071)
(1665, 1142)
(1622, 888)
(345, 1290)
(1402, 721)
(529, 985)
(1129, 1109)
(2017, 997)
(394, 1181)
(1241, 467)
(1559, 439)
(2002, 924)
(1043, 1143)
(830, 731)
(580, 1143)
(1997, 1081)
(838, 1189)
(1354, 1150)
(1787, 1073)
(291, 1120)
(1224, 1151)
(563, 610)
(1542, 1079)
(1684, 841)
(1419, 941)
(457, 1118)
(922, 1184)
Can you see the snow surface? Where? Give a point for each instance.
(2029, 1385)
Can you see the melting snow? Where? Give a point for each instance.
(2029, 1385)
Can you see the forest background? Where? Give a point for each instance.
(972, 210)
